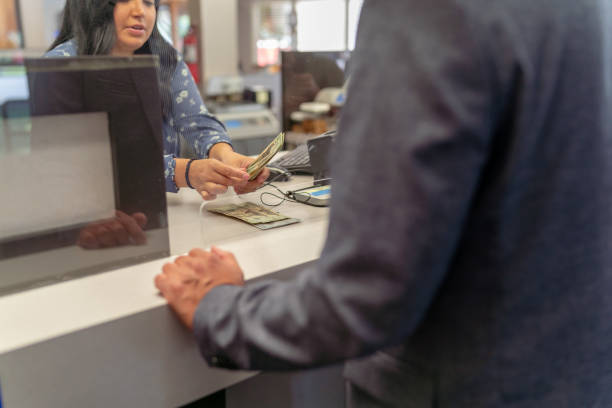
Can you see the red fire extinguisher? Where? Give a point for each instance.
(191, 53)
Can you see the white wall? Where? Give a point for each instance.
(219, 22)
(32, 22)
(247, 35)
(39, 20)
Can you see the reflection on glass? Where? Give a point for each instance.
(304, 75)
(120, 230)
(81, 139)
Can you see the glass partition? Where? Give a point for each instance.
(319, 77)
(82, 169)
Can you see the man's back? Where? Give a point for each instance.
(470, 224)
(522, 316)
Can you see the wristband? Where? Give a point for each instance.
(187, 173)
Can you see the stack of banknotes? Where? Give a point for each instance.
(264, 157)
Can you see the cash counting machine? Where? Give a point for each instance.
(246, 113)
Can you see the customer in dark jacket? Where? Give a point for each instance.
(469, 258)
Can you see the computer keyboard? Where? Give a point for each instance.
(296, 160)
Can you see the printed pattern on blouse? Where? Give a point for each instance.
(190, 128)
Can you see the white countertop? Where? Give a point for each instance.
(64, 312)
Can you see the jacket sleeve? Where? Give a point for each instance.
(413, 138)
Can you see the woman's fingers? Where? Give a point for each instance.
(209, 190)
(214, 171)
(207, 196)
(228, 175)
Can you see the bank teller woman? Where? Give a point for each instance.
(128, 27)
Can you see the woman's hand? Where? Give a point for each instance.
(224, 152)
(212, 177)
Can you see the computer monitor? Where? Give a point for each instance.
(85, 143)
(319, 149)
(304, 74)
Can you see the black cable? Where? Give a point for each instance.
(281, 198)
(285, 196)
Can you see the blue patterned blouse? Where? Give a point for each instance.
(191, 121)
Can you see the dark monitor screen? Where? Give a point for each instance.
(318, 152)
(305, 74)
(83, 143)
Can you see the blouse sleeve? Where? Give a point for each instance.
(170, 167)
(194, 125)
(67, 49)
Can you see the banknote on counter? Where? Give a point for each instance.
(265, 156)
(253, 214)
(248, 212)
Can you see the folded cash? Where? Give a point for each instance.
(276, 224)
(265, 156)
(248, 212)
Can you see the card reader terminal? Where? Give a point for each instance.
(318, 195)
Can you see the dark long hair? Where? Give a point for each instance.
(90, 24)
